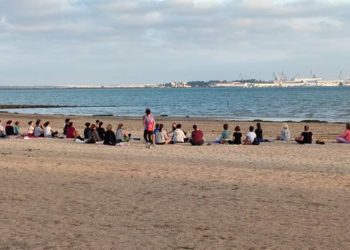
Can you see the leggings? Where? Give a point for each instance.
(342, 140)
(148, 136)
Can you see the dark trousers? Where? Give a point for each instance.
(148, 136)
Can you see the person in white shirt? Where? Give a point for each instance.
(2, 131)
(162, 136)
(179, 135)
(48, 132)
(250, 137)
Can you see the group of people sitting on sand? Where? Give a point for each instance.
(94, 133)
(155, 133)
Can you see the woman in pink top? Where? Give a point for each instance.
(345, 137)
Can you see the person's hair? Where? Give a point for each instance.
(258, 125)
(97, 121)
(93, 126)
(225, 126)
(67, 120)
(87, 124)
(46, 124)
(9, 122)
(148, 111)
(178, 125)
(237, 128)
(37, 123)
(120, 125)
(157, 126)
(161, 127)
(70, 124)
(100, 124)
(251, 128)
(194, 127)
(348, 125)
(306, 127)
(109, 127)
(30, 123)
(285, 125)
(173, 126)
(17, 123)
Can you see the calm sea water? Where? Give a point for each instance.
(330, 104)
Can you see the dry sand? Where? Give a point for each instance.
(57, 194)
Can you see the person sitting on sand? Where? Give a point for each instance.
(66, 123)
(305, 137)
(2, 131)
(30, 129)
(173, 127)
(94, 137)
(237, 136)
(285, 133)
(197, 136)
(110, 138)
(72, 133)
(16, 128)
(345, 137)
(38, 130)
(161, 136)
(259, 133)
(87, 131)
(101, 131)
(179, 135)
(121, 134)
(225, 135)
(48, 132)
(250, 137)
(9, 128)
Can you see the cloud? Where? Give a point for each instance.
(138, 41)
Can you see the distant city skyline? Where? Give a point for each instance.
(58, 42)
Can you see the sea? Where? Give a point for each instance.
(267, 104)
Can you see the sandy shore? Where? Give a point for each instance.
(62, 195)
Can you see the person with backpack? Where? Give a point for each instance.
(148, 124)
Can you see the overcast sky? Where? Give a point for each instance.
(111, 41)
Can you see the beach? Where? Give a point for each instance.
(58, 194)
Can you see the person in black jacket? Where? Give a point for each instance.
(101, 131)
(110, 138)
(87, 131)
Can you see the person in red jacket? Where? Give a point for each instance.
(197, 136)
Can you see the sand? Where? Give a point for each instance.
(57, 194)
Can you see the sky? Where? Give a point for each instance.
(55, 42)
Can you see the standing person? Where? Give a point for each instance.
(345, 137)
(38, 130)
(237, 136)
(285, 133)
(305, 137)
(66, 122)
(250, 137)
(110, 138)
(148, 124)
(101, 131)
(16, 128)
(196, 136)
